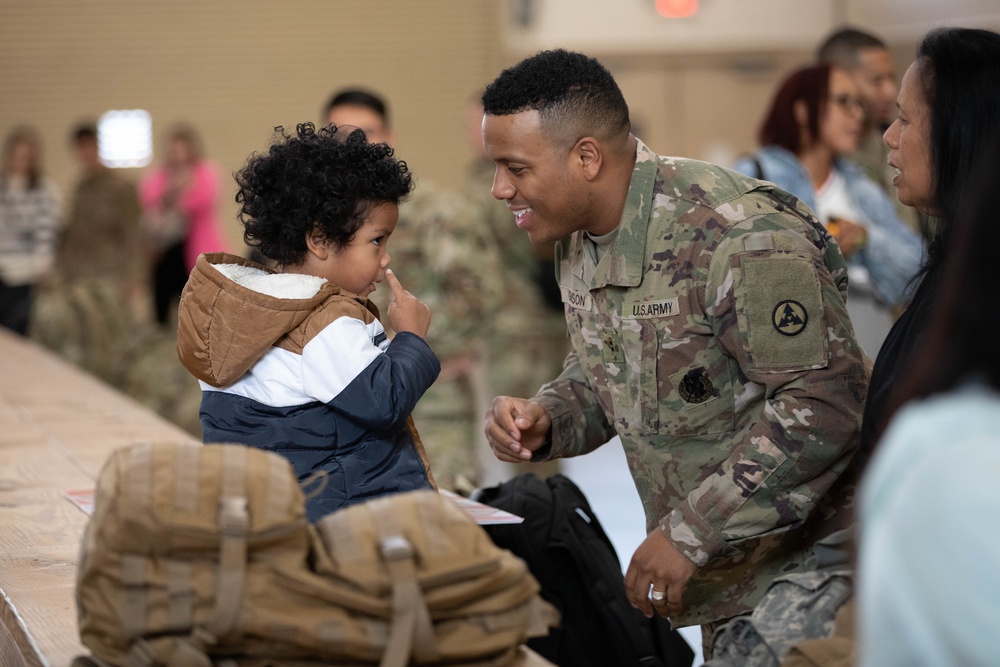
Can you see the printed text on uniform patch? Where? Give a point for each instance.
(646, 309)
(577, 300)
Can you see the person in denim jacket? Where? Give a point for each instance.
(815, 119)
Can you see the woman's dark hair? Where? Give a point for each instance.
(810, 85)
(316, 179)
(961, 341)
(959, 72)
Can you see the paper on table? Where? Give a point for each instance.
(82, 498)
(484, 515)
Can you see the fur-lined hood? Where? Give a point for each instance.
(233, 310)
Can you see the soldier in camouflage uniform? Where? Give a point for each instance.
(709, 330)
(450, 261)
(89, 307)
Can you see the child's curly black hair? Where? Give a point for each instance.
(315, 179)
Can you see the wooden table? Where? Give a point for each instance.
(57, 426)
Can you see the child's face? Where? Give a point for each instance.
(362, 262)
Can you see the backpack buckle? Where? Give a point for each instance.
(395, 547)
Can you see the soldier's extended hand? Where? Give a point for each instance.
(406, 312)
(657, 562)
(516, 427)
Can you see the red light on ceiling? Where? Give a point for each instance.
(676, 9)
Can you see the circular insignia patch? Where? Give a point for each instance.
(789, 317)
(696, 387)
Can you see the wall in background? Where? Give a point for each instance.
(237, 69)
(697, 87)
(724, 26)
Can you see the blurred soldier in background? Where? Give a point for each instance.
(89, 306)
(449, 259)
(95, 310)
(528, 342)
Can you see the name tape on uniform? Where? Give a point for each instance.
(647, 309)
(578, 300)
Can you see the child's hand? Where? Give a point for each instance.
(406, 312)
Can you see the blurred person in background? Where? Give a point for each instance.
(949, 104)
(866, 59)
(528, 343)
(99, 287)
(102, 238)
(179, 200)
(448, 259)
(29, 226)
(815, 121)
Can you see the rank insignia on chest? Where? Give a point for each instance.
(612, 347)
(789, 317)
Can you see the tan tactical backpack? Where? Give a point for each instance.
(202, 555)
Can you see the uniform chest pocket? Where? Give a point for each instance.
(663, 385)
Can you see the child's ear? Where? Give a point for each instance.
(317, 244)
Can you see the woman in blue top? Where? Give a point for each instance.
(816, 119)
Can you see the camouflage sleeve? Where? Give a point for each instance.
(777, 311)
(579, 424)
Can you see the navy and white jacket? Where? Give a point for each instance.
(296, 365)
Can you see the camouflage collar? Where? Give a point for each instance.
(623, 264)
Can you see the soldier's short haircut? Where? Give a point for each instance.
(843, 47)
(572, 92)
(361, 98)
(84, 132)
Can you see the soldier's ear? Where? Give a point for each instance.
(588, 155)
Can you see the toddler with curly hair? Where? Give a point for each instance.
(291, 356)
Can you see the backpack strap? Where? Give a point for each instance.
(234, 525)
(133, 566)
(410, 630)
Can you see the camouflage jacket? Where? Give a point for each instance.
(713, 338)
(102, 237)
